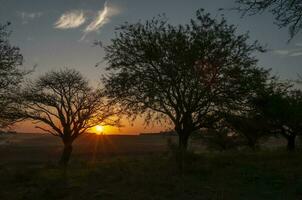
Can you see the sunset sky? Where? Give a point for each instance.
(53, 34)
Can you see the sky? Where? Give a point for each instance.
(54, 34)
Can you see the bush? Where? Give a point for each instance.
(221, 139)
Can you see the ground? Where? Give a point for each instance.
(142, 167)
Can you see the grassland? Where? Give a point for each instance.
(141, 167)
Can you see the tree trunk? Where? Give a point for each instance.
(66, 153)
(291, 139)
(183, 140)
(291, 143)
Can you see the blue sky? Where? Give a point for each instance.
(51, 43)
(53, 34)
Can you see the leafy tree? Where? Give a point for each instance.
(10, 77)
(67, 105)
(251, 128)
(283, 110)
(293, 124)
(286, 12)
(183, 74)
(237, 130)
(220, 137)
(249, 124)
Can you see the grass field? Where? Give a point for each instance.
(141, 167)
(47, 148)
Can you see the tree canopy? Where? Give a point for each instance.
(10, 76)
(186, 74)
(287, 13)
(282, 109)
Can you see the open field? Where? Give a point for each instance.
(141, 167)
(44, 147)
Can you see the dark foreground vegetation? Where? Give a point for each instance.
(144, 167)
(228, 175)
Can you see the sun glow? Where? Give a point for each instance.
(99, 129)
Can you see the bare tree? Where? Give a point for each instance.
(67, 105)
(10, 77)
(185, 74)
(286, 12)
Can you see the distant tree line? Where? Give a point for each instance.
(202, 78)
(276, 112)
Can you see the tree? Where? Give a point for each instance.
(220, 137)
(10, 77)
(252, 128)
(185, 74)
(283, 110)
(286, 12)
(67, 105)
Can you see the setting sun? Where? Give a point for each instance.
(99, 129)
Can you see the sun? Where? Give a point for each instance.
(99, 129)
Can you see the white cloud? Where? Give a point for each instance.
(76, 18)
(282, 52)
(71, 19)
(294, 52)
(28, 16)
(299, 44)
(102, 18)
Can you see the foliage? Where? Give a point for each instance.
(10, 77)
(287, 13)
(220, 137)
(183, 74)
(282, 108)
(252, 129)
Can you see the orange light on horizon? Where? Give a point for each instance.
(103, 130)
(99, 129)
(127, 129)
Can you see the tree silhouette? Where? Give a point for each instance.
(185, 74)
(220, 137)
(10, 77)
(67, 105)
(287, 13)
(283, 110)
(252, 128)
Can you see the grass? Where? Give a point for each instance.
(229, 175)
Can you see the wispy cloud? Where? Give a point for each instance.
(282, 52)
(299, 44)
(294, 52)
(70, 19)
(76, 18)
(28, 16)
(102, 18)
(297, 53)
